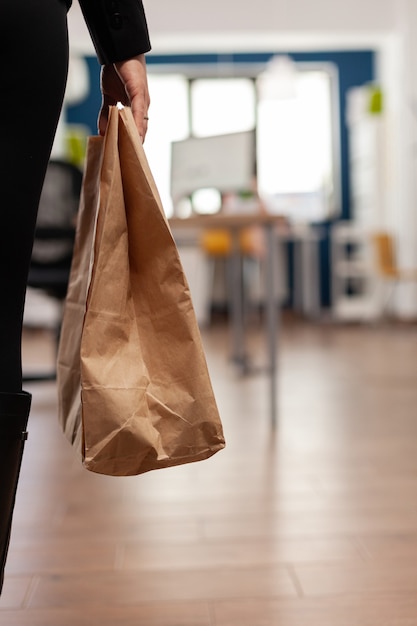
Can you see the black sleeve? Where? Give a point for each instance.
(117, 27)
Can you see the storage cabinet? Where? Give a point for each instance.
(354, 294)
(354, 290)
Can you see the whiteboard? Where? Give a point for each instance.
(225, 162)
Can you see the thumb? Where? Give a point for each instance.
(103, 116)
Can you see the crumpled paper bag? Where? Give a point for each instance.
(133, 385)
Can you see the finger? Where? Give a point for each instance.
(141, 119)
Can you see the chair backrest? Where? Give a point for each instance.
(57, 212)
(55, 228)
(385, 254)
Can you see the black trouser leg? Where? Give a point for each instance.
(33, 69)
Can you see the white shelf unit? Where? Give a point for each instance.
(367, 159)
(353, 278)
(355, 293)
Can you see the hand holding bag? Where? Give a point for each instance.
(134, 389)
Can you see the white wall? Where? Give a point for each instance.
(167, 16)
(404, 211)
(183, 21)
(388, 26)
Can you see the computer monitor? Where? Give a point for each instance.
(223, 162)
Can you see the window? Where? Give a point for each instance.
(222, 105)
(169, 122)
(296, 151)
(297, 147)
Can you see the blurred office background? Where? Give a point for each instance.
(329, 93)
(306, 111)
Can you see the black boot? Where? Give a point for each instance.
(14, 413)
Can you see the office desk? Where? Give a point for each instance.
(234, 223)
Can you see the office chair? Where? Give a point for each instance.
(386, 265)
(54, 239)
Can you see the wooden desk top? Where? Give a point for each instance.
(228, 221)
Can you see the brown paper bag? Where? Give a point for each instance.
(134, 390)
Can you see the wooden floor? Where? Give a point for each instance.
(313, 525)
